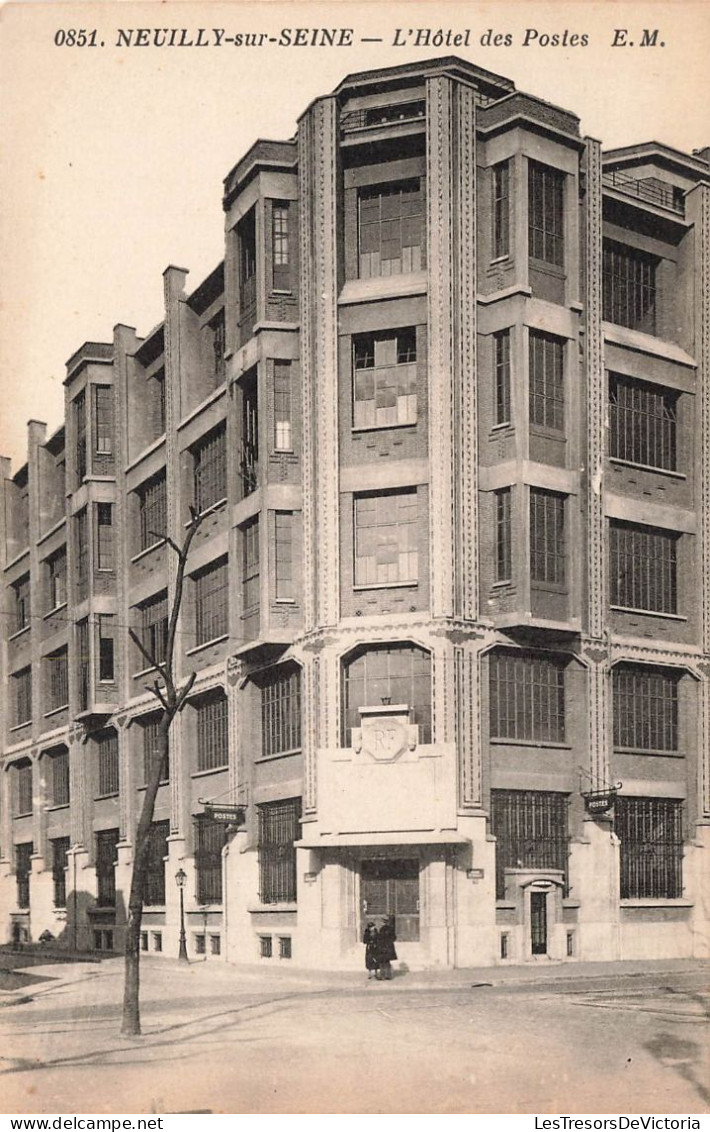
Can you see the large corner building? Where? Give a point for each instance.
(445, 408)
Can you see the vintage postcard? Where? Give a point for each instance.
(354, 536)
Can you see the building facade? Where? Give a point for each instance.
(445, 410)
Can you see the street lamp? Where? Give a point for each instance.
(181, 881)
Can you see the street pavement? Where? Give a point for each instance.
(546, 1038)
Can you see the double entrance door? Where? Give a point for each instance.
(390, 887)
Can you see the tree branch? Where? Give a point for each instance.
(156, 691)
(148, 656)
(185, 691)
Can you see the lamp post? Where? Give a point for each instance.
(181, 881)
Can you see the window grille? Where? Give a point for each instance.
(24, 790)
(58, 679)
(215, 945)
(645, 708)
(218, 347)
(279, 828)
(155, 868)
(200, 944)
(546, 214)
(501, 347)
(386, 538)
(283, 428)
(249, 458)
(643, 568)
(651, 836)
(391, 229)
(23, 871)
(151, 752)
(527, 694)
(280, 710)
(212, 732)
(60, 848)
(246, 236)
(81, 543)
(280, 242)
(80, 435)
(83, 664)
(285, 947)
(104, 536)
(23, 696)
(642, 422)
(106, 861)
(503, 500)
(250, 565)
(210, 469)
(57, 579)
(266, 946)
(547, 536)
(501, 210)
(154, 627)
(106, 648)
(629, 287)
(107, 745)
(157, 396)
(152, 507)
(531, 832)
(546, 399)
(22, 603)
(396, 674)
(60, 778)
(385, 385)
(210, 839)
(283, 529)
(103, 419)
(212, 603)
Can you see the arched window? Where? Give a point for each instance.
(387, 674)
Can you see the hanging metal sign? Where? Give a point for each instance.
(599, 801)
(224, 812)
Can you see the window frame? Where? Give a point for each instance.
(502, 367)
(279, 827)
(108, 764)
(209, 469)
(546, 214)
(280, 692)
(403, 686)
(152, 499)
(211, 589)
(633, 427)
(500, 199)
(380, 191)
(546, 381)
(212, 731)
(652, 577)
(646, 701)
(210, 839)
(405, 501)
(536, 712)
(629, 286)
(57, 679)
(648, 863)
(548, 563)
(504, 535)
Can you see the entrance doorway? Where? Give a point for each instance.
(538, 922)
(391, 888)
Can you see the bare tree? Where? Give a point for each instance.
(171, 699)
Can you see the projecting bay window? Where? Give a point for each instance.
(280, 242)
(108, 766)
(210, 469)
(546, 380)
(106, 861)
(546, 241)
(57, 579)
(152, 511)
(283, 542)
(642, 423)
(155, 874)
(650, 831)
(210, 839)
(645, 708)
(385, 379)
(391, 229)
(547, 537)
(629, 287)
(501, 210)
(280, 710)
(212, 603)
(105, 558)
(643, 568)
(23, 872)
(57, 680)
(531, 832)
(527, 697)
(501, 361)
(279, 828)
(60, 848)
(151, 753)
(22, 686)
(211, 720)
(154, 629)
(21, 593)
(503, 503)
(283, 423)
(386, 542)
(387, 674)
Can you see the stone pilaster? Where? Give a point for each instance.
(237, 783)
(467, 697)
(596, 393)
(311, 701)
(80, 817)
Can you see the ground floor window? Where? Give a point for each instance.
(155, 875)
(279, 828)
(210, 839)
(390, 887)
(23, 869)
(106, 861)
(651, 835)
(60, 848)
(530, 827)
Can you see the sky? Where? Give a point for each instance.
(112, 157)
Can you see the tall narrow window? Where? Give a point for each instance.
(250, 565)
(212, 734)
(210, 839)
(217, 327)
(546, 214)
(157, 852)
(249, 455)
(151, 752)
(547, 536)
(107, 755)
(246, 236)
(527, 697)
(79, 405)
(83, 649)
(21, 590)
(103, 419)
(501, 210)
(503, 534)
(279, 829)
(386, 543)
(23, 796)
(629, 287)
(501, 347)
(157, 402)
(212, 602)
(645, 708)
(281, 249)
(104, 537)
(391, 229)
(57, 679)
(81, 546)
(57, 579)
(60, 848)
(280, 710)
(107, 634)
(106, 861)
(547, 406)
(23, 696)
(642, 422)
(23, 872)
(385, 379)
(153, 511)
(643, 568)
(59, 763)
(531, 832)
(154, 627)
(283, 527)
(210, 469)
(283, 427)
(651, 835)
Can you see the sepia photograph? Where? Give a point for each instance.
(355, 550)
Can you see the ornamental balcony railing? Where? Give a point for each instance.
(648, 189)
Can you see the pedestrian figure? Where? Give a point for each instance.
(386, 952)
(371, 954)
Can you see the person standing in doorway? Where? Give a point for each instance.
(370, 939)
(386, 952)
